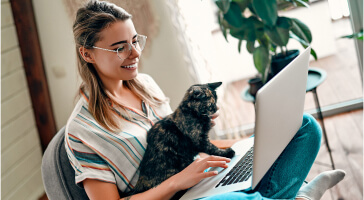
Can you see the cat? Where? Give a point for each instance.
(174, 141)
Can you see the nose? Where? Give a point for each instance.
(134, 52)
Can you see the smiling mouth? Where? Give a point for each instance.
(133, 66)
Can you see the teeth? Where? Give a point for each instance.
(130, 66)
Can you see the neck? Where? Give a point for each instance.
(118, 92)
(115, 88)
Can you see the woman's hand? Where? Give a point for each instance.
(214, 116)
(194, 173)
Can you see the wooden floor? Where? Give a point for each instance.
(345, 131)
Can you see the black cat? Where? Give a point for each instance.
(174, 141)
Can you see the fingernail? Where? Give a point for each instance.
(216, 172)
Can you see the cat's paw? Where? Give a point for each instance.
(229, 153)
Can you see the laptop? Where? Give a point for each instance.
(279, 109)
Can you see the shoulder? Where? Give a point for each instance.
(80, 118)
(150, 83)
(146, 78)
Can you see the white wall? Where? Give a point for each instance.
(21, 152)
(317, 17)
(59, 56)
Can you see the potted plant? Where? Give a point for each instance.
(357, 35)
(266, 34)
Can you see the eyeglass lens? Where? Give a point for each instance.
(124, 50)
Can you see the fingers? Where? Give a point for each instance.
(217, 158)
(211, 161)
(216, 164)
(209, 174)
(213, 123)
(215, 115)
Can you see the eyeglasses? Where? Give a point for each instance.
(124, 50)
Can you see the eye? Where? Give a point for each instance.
(136, 41)
(120, 49)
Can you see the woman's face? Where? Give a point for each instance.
(108, 65)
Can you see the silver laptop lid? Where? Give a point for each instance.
(279, 109)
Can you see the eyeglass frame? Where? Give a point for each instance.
(130, 48)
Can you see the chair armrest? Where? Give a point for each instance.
(224, 144)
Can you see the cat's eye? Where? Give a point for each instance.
(199, 94)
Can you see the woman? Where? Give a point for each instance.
(106, 133)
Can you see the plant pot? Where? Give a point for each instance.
(279, 61)
(255, 84)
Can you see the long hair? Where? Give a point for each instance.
(91, 19)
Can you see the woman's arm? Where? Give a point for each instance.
(187, 178)
(96, 189)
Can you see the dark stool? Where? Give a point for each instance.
(315, 78)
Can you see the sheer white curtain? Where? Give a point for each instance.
(338, 9)
(193, 26)
(193, 21)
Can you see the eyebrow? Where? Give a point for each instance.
(124, 41)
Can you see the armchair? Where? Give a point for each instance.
(58, 174)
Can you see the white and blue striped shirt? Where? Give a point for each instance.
(96, 153)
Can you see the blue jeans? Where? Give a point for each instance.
(288, 172)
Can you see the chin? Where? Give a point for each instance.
(131, 75)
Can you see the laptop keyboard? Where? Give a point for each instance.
(240, 172)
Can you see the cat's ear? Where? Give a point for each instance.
(215, 85)
(197, 92)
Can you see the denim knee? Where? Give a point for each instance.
(312, 129)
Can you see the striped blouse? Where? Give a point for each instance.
(96, 153)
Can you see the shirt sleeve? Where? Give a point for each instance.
(86, 161)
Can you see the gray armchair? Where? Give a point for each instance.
(57, 172)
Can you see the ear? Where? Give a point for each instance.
(215, 85)
(86, 54)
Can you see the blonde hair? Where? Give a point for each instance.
(90, 21)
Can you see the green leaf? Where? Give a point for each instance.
(251, 30)
(282, 5)
(302, 3)
(304, 44)
(250, 46)
(257, 26)
(239, 45)
(358, 35)
(251, 9)
(222, 27)
(261, 59)
(301, 30)
(234, 15)
(243, 4)
(279, 34)
(267, 11)
(239, 33)
(313, 53)
(264, 41)
(223, 5)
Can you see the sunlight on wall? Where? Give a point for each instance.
(338, 9)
